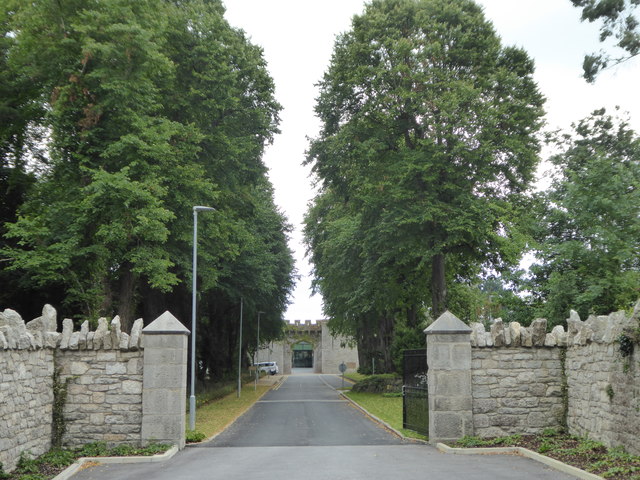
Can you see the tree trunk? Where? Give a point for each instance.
(126, 298)
(438, 286)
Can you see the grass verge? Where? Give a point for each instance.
(215, 416)
(386, 408)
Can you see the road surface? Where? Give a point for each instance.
(304, 429)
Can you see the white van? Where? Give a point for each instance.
(270, 367)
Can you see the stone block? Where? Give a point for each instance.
(159, 403)
(164, 376)
(461, 357)
(136, 333)
(538, 331)
(560, 334)
(487, 405)
(550, 340)
(478, 335)
(132, 387)
(453, 404)
(497, 333)
(438, 355)
(116, 368)
(74, 341)
(445, 425)
(101, 334)
(451, 383)
(116, 332)
(78, 368)
(45, 323)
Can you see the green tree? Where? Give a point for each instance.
(428, 143)
(149, 108)
(589, 252)
(618, 21)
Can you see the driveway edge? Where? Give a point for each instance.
(80, 463)
(525, 452)
(381, 422)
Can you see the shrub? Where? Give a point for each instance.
(385, 383)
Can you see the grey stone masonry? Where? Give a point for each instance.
(104, 396)
(518, 378)
(118, 392)
(26, 398)
(449, 379)
(165, 381)
(516, 390)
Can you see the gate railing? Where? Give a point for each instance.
(415, 399)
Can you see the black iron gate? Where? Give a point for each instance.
(415, 399)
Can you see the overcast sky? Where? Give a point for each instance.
(298, 35)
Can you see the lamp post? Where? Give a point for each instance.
(240, 352)
(192, 398)
(257, 349)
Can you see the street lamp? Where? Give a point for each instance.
(257, 349)
(192, 398)
(240, 351)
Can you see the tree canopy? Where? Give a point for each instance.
(589, 226)
(619, 22)
(139, 111)
(428, 143)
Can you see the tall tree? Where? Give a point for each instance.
(429, 136)
(149, 108)
(618, 21)
(589, 253)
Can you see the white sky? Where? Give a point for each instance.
(298, 35)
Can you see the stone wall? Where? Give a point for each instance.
(516, 390)
(104, 401)
(604, 394)
(26, 397)
(111, 397)
(518, 377)
(336, 350)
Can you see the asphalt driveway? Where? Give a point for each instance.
(304, 429)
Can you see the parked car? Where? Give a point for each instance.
(270, 367)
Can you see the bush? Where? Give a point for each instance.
(384, 383)
(194, 436)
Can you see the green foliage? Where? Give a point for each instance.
(378, 384)
(610, 392)
(58, 422)
(194, 436)
(589, 223)
(149, 108)
(626, 345)
(27, 464)
(94, 449)
(618, 21)
(58, 458)
(427, 145)
(386, 408)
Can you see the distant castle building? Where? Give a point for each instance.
(310, 345)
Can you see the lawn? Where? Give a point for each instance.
(215, 416)
(386, 408)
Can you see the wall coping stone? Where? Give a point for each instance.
(603, 329)
(166, 324)
(41, 333)
(447, 323)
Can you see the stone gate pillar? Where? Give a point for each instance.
(164, 381)
(449, 377)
